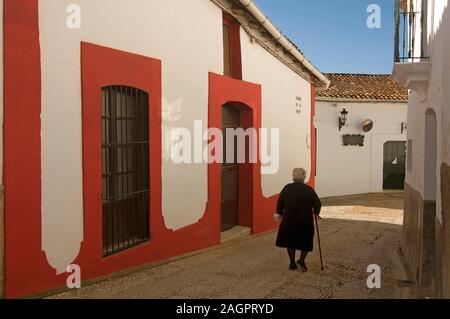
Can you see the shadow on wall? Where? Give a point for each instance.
(443, 236)
(442, 37)
(376, 200)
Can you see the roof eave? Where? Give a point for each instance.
(353, 100)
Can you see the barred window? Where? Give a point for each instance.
(125, 168)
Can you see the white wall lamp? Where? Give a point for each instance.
(343, 119)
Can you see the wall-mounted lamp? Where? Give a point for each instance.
(404, 127)
(343, 119)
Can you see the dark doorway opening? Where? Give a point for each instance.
(236, 178)
(394, 165)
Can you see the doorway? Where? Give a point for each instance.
(394, 165)
(231, 119)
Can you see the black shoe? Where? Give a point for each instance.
(293, 267)
(302, 266)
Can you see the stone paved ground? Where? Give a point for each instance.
(356, 231)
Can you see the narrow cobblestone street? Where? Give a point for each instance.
(356, 231)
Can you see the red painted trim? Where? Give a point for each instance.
(143, 73)
(97, 72)
(26, 267)
(223, 90)
(235, 45)
(246, 97)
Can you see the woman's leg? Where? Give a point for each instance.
(302, 260)
(291, 253)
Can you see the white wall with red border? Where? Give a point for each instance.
(167, 33)
(56, 232)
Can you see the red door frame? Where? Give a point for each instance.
(247, 97)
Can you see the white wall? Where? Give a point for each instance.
(2, 229)
(1, 91)
(281, 87)
(347, 170)
(163, 30)
(437, 98)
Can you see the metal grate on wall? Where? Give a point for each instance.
(125, 168)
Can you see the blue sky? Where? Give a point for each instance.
(333, 34)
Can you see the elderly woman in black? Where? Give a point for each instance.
(296, 205)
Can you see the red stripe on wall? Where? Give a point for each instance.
(26, 267)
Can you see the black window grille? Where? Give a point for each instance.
(125, 168)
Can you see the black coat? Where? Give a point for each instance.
(296, 204)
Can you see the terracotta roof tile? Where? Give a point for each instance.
(364, 87)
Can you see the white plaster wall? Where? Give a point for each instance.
(438, 99)
(2, 229)
(169, 30)
(439, 94)
(354, 170)
(280, 88)
(1, 91)
(416, 133)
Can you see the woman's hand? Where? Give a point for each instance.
(277, 217)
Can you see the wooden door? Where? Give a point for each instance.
(230, 172)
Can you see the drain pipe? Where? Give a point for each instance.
(261, 18)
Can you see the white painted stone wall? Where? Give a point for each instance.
(347, 170)
(1, 90)
(187, 36)
(281, 88)
(163, 30)
(2, 229)
(437, 98)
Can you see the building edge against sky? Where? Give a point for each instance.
(59, 190)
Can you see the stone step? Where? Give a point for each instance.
(235, 233)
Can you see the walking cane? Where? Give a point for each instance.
(320, 245)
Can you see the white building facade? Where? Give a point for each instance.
(376, 116)
(89, 171)
(422, 64)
